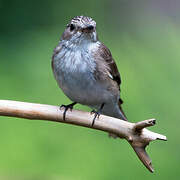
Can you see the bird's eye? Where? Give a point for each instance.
(72, 27)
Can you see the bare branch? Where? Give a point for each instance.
(143, 124)
(134, 133)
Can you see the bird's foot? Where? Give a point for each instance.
(66, 107)
(97, 113)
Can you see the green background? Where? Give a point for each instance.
(144, 38)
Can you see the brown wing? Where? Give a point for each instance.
(112, 68)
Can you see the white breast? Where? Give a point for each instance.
(74, 72)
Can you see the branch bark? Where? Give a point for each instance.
(135, 133)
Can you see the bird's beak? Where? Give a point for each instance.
(88, 29)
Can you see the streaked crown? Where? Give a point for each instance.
(83, 21)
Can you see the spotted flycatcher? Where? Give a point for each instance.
(85, 70)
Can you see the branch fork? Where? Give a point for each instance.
(135, 133)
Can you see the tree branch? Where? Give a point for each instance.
(135, 133)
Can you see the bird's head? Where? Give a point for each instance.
(80, 29)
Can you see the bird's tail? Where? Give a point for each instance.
(121, 116)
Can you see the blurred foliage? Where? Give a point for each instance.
(144, 39)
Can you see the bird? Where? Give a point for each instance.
(86, 71)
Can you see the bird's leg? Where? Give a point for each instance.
(66, 107)
(97, 113)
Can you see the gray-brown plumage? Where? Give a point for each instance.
(85, 70)
(106, 68)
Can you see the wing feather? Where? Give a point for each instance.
(113, 70)
(113, 73)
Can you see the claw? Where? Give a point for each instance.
(97, 113)
(93, 112)
(66, 107)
